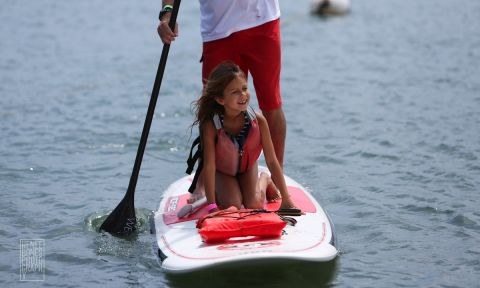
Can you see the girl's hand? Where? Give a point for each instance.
(287, 203)
(213, 210)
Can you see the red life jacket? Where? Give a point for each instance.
(230, 157)
(222, 225)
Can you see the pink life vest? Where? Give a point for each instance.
(230, 158)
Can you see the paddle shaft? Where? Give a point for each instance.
(153, 102)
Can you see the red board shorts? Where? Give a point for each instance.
(257, 51)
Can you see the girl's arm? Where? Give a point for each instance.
(272, 162)
(208, 142)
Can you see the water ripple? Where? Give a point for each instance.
(465, 222)
(382, 114)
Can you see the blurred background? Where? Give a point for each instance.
(383, 114)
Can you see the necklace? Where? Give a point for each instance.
(242, 135)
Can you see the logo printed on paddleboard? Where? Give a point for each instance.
(172, 204)
(249, 245)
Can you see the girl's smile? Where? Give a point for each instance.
(235, 96)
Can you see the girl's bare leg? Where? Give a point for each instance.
(253, 189)
(227, 191)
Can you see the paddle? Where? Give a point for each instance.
(122, 221)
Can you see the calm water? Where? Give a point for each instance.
(383, 111)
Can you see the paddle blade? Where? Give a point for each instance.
(122, 221)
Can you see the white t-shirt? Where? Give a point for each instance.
(220, 18)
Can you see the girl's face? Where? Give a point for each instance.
(235, 96)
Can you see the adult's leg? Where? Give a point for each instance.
(218, 51)
(227, 191)
(261, 53)
(278, 130)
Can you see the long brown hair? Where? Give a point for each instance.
(206, 106)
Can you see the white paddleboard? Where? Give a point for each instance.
(181, 249)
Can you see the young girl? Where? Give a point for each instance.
(232, 138)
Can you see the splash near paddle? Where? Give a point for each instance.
(182, 247)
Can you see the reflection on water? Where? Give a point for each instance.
(283, 274)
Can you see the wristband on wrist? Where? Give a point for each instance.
(165, 9)
(212, 206)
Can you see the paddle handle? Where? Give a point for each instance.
(151, 107)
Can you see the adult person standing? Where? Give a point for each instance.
(246, 32)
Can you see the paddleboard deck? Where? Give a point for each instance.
(181, 249)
